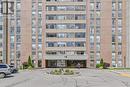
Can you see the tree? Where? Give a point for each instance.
(101, 62)
(30, 62)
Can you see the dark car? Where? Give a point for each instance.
(13, 69)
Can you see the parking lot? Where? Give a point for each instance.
(87, 78)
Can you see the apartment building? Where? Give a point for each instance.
(63, 33)
(128, 33)
(1, 35)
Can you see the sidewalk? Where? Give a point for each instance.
(124, 73)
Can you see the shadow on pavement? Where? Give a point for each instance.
(9, 76)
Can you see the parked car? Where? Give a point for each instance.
(13, 69)
(4, 70)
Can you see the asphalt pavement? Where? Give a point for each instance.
(86, 78)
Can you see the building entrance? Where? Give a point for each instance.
(65, 63)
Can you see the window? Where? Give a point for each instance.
(70, 35)
(70, 44)
(12, 30)
(91, 39)
(33, 30)
(113, 21)
(40, 55)
(18, 38)
(91, 46)
(98, 5)
(33, 54)
(91, 30)
(80, 52)
(98, 39)
(33, 46)
(51, 35)
(98, 32)
(98, 22)
(12, 39)
(39, 14)
(98, 56)
(39, 5)
(3, 66)
(51, 44)
(98, 14)
(113, 13)
(18, 6)
(51, 52)
(33, 6)
(119, 47)
(91, 6)
(39, 22)
(119, 6)
(119, 39)
(18, 30)
(61, 35)
(33, 13)
(79, 35)
(91, 22)
(91, 55)
(113, 56)
(33, 39)
(119, 22)
(18, 22)
(119, 31)
(39, 46)
(39, 31)
(113, 47)
(79, 44)
(18, 54)
(39, 38)
(91, 14)
(97, 47)
(113, 5)
(18, 46)
(119, 13)
(33, 23)
(61, 44)
(11, 45)
(113, 31)
(12, 55)
(113, 38)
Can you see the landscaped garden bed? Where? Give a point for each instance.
(63, 72)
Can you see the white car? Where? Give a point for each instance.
(4, 70)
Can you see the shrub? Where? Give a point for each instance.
(56, 72)
(68, 72)
(21, 67)
(30, 67)
(102, 65)
(25, 65)
(98, 65)
(62, 72)
(101, 62)
(30, 62)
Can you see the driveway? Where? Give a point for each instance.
(87, 78)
